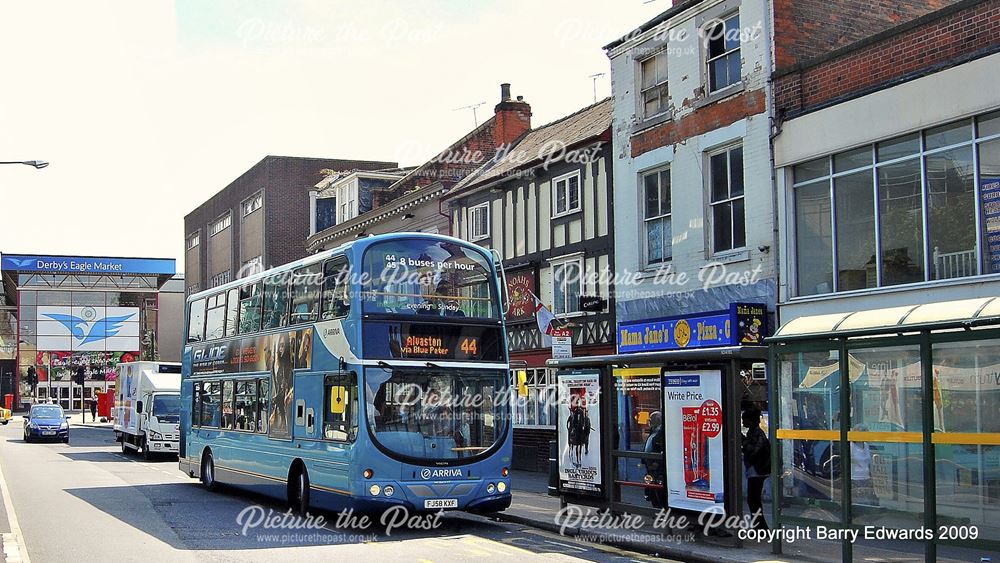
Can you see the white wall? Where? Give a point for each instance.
(692, 253)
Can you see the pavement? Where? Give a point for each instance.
(533, 506)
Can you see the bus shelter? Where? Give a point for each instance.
(887, 422)
(658, 430)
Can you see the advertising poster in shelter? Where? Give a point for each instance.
(693, 420)
(580, 432)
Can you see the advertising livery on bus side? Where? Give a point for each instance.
(369, 376)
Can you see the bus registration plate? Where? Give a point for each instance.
(441, 503)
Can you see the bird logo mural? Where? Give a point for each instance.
(87, 328)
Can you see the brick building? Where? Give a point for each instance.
(261, 219)
(887, 156)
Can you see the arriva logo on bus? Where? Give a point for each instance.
(439, 473)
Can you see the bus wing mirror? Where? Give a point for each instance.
(338, 400)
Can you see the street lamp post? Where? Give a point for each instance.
(36, 163)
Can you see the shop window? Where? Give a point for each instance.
(538, 407)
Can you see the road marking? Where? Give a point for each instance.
(14, 549)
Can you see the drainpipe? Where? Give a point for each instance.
(772, 133)
(445, 215)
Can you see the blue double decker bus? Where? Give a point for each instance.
(368, 376)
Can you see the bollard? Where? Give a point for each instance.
(553, 468)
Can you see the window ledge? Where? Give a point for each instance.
(646, 123)
(651, 271)
(476, 239)
(718, 95)
(917, 286)
(729, 257)
(567, 213)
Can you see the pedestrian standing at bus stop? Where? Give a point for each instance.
(757, 461)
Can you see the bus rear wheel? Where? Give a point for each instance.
(298, 491)
(208, 472)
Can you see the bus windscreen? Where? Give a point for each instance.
(429, 278)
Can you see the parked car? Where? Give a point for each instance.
(46, 421)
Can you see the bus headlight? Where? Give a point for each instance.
(490, 488)
(502, 487)
(388, 490)
(374, 490)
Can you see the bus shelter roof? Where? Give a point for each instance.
(964, 313)
(713, 354)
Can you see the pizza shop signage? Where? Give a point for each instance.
(742, 324)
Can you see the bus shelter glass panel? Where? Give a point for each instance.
(639, 428)
(967, 409)
(886, 451)
(809, 407)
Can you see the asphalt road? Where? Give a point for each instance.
(86, 501)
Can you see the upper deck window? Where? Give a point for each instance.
(428, 277)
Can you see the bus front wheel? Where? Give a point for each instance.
(298, 490)
(208, 472)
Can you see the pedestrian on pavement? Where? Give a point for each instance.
(757, 461)
(93, 410)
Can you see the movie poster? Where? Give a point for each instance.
(580, 432)
(693, 420)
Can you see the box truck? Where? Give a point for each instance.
(147, 410)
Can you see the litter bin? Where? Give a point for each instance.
(553, 468)
(8, 401)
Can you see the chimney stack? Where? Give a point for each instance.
(513, 118)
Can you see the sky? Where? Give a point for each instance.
(147, 109)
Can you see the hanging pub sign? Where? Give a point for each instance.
(520, 292)
(593, 303)
(742, 324)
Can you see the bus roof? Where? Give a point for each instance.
(338, 251)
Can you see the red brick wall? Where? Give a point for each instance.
(702, 120)
(939, 40)
(805, 29)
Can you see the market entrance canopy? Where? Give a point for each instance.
(965, 313)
